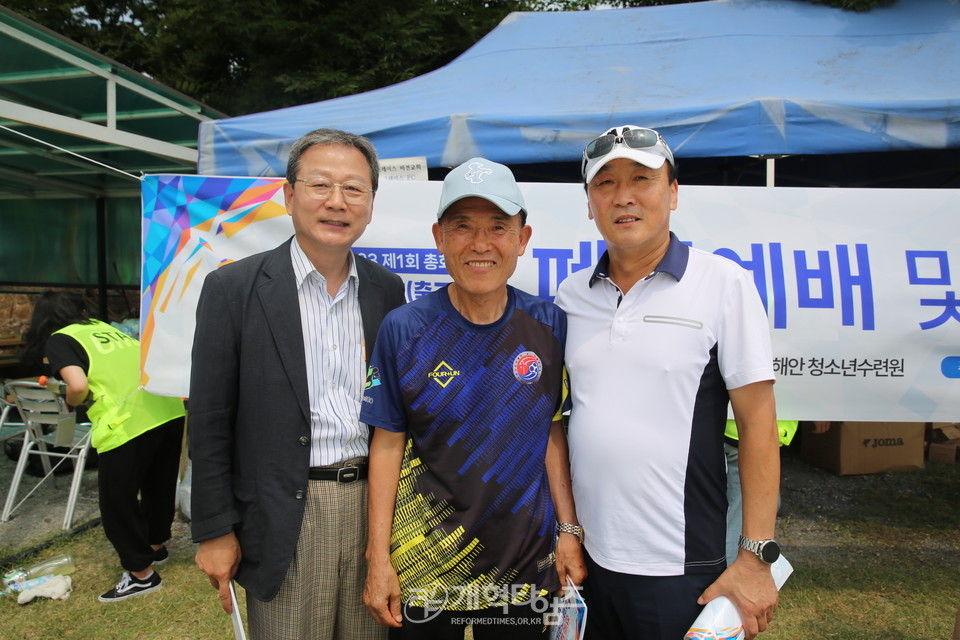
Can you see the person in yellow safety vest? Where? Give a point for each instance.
(786, 429)
(137, 435)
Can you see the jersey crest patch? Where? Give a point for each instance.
(527, 367)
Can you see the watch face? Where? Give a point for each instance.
(769, 551)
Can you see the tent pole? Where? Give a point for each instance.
(102, 258)
(770, 171)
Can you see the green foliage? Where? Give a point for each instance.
(546, 5)
(855, 5)
(110, 27)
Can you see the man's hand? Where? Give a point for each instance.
(570, 560)
(750, 587)
(821, 426)
(219, 559)
(381, 594)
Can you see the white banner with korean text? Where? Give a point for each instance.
(857, 283)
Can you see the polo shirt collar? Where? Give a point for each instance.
(674, 262)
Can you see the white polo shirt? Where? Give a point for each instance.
(649, 375)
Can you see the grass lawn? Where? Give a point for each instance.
(874, 556)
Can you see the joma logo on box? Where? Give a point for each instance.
(873, 443)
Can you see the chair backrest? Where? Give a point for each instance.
(37, 405)
(40, 409)
(43, 411)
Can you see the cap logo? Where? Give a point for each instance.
(475, 172)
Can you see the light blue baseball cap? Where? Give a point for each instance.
(482, 178)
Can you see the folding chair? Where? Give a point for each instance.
(41, 411)
(8, 426)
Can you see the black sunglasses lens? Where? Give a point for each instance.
(633, 138)
(600, 146)
(640, 138)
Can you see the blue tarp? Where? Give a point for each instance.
(719, 78)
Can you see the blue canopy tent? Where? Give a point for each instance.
(719, 78)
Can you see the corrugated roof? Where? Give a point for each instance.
(54, 91)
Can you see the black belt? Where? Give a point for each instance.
(350, 473)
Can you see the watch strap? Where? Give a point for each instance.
(753, 546)
(575, 529)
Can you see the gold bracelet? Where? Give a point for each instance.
(575, 529)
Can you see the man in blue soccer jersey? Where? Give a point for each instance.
(471, 513)
(661, 338)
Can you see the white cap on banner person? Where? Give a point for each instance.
(639, 144)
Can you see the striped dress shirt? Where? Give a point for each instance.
(333, 346)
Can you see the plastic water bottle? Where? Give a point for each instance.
(26, 585)
(57, 386)
(720, 620)
(61, 564)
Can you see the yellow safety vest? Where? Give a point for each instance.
(786, 429)
(121, 410)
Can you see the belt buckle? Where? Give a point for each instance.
(348, 474)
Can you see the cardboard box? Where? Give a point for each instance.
(945, 451)
(865, 447)
(944, 431)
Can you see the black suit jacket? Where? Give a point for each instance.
(249, 410)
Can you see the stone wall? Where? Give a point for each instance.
(15, 309)
(16, 305)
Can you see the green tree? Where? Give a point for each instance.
(110, 27)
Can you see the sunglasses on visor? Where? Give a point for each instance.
(633, 138)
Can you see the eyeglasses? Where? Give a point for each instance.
(321, 189)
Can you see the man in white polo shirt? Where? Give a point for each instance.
(661, 336)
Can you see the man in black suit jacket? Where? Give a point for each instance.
(262, 416)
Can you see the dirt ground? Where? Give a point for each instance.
(40, 517)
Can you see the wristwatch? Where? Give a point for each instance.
(575, 529)
(766, 550)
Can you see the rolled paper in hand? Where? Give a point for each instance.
(720, 620)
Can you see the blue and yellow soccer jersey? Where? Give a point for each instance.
(474, 520)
